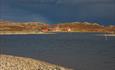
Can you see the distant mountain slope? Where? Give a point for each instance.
(66, 27)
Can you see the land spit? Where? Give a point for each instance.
(23, 33)
(8, 62)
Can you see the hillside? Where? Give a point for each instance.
(84, 27)
(8, 26)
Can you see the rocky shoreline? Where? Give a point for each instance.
(8, 62)
(23, 33)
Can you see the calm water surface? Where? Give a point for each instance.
(80, 51)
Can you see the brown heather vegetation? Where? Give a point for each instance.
(86, 27)
(65, 27)
(21, 26)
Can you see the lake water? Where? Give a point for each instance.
(80, 51)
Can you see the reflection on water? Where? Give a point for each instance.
(81, 51)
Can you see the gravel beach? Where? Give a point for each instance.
(8, 62)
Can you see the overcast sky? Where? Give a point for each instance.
(54, 11)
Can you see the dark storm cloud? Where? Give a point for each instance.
(59, 10)
(64, 1)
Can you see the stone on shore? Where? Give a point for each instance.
(8, 62)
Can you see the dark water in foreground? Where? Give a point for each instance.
(80, 51)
